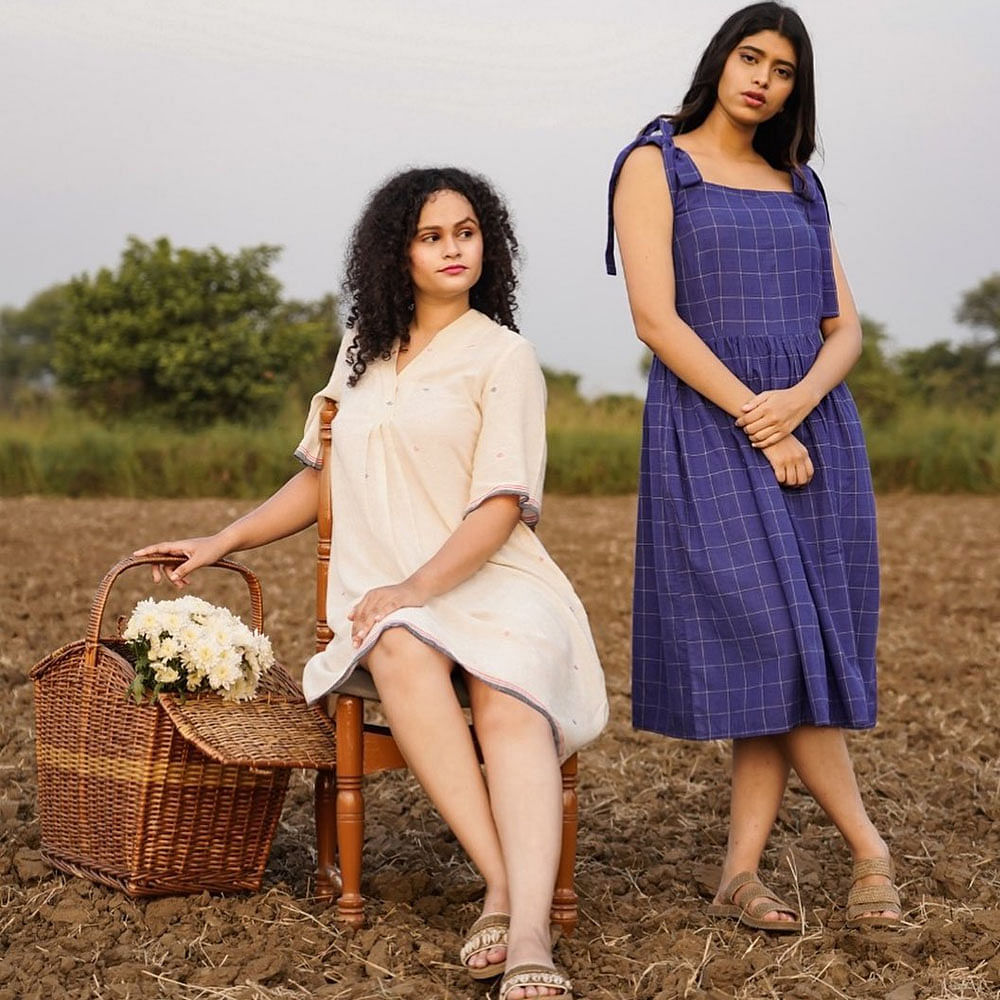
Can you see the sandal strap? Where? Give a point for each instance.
(489, 931)
(872, 898)
(760, 899)
(768, 903)
(756, 890)
(873, 866)
(736, 883)
(534, 975)
(877, 898)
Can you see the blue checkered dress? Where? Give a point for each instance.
(755, 606)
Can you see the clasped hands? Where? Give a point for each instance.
(768, 420)
(381, 602)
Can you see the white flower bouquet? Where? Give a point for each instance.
(188, 645)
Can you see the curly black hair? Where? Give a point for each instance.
(377, 285)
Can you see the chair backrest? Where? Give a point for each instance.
(324, 525)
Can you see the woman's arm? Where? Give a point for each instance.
(479, 536)
(644, 222)
(775, 413)
(286, 512)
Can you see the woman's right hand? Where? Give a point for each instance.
(199, 552)
(790, 460)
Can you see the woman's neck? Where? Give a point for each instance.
(431, 315)
(719, 134)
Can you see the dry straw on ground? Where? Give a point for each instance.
(653, 811)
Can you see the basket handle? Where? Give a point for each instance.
(93, 636)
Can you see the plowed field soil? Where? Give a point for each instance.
(653, 811)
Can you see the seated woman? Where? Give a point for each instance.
(438, 456)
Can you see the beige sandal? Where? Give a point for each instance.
(488, 932)
(870, 899)
(757, 900)
(525, 976)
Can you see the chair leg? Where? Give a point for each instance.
(350, 807)
(328, 881)
(564, 900)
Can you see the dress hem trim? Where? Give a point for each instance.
(505, 688)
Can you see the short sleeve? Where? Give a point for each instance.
(510, 452)
(308, 450)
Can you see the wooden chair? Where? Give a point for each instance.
(364, 748)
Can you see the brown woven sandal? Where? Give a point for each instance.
(488, 932)
(871, 899)
(527, 975)
(757, 900)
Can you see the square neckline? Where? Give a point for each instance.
(730, 187)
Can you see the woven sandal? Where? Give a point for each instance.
(758, 900)
(525, 976)
(487, 933)
(871, 899)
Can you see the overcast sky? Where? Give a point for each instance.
(237, 123)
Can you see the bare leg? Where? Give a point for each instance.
(428, 725)
(760, 773)
(525, 785)
(820, 757)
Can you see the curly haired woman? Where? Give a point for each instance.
(438, 459)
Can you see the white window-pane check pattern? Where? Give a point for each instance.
(755, 606)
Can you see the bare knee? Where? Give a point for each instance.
(400, 657)
(494, 710)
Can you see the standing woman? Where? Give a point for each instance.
(438, 457)
(756, 582)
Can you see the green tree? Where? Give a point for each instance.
(960, 376)
(27, 336)
(980, 308)
(874, 380)
(561, 384)
(189, 336)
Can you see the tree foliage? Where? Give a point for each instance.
(874, 380)
(189, 336)
(980, 308)
(27, 337)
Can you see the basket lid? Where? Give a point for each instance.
(275, 729)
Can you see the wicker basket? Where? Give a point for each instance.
(166, 798)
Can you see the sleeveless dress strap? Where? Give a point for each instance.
(680, 170)
(808, 186)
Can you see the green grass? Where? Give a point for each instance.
(593, 449)
(81, 458)
(936, 451)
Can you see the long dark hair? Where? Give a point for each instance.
(788, 139)
(377, 284)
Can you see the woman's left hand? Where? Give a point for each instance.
(379, 603)
(773, 414)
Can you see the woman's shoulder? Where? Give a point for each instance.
(657, 132)
(646, 157)
(500, 336)
(497, 343)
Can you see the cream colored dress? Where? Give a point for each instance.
(413, 453)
